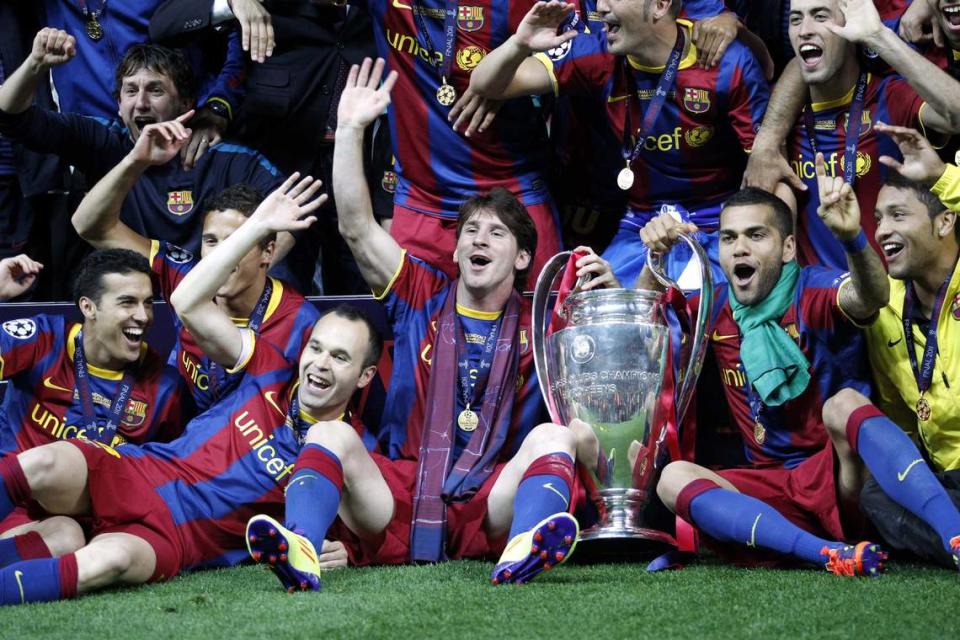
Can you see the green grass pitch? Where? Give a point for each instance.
(455, 601)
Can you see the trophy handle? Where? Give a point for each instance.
(541, 297)
(704, 312)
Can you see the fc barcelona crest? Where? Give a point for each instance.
(180, 202)
(470, 18)
(389, 181)
(865, 122)
(696, 100)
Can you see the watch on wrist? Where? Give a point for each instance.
(218, 107)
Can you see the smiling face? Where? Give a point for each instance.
(752, 251)
(910, 239)
(333, 365)
(821, 53)
(147, 97)
(488, 255)
(116, 323)
(251, 270)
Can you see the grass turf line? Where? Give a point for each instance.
(455, 601)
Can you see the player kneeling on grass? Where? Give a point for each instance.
(468, 473)
(787, 337)
(159, 509)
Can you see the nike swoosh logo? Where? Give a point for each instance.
(18, 575)
(270, 395)
(48, 383)
(611, 98)
(903, 475)
(549, 485)
(719, 338)
(753, 532)
(893, 343)
(399, 5)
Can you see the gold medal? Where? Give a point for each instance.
(923, 409)
(94, 28)
(625, 179)
(759, 433)
(468, 420)
(446, 94)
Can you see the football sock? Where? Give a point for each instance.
(901, 471)
(28, 546)
(39, 580)
(544, 490)
(14, 489)
(728, 516)
(313, 493)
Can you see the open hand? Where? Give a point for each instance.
(364, 98)
(920, 162)
(538, 29)
(288, 208)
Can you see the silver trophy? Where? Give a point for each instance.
(605, 367)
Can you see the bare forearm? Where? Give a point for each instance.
(493, 75)
(16, 94)
(869, 286)
(786, 103)
(99, 212)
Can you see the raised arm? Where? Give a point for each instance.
(51, 47)
(869, 289)
(286, 209)
(97, 219)
(17, 274)
(509, 70)
(377, 254)
(935, 86)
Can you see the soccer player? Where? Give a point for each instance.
(826, 35)
(268, 306)
(96, 380)
(683, 151)
(785, 340)
(154, 84)
(159, 509)
(910, 497)
(465, 470)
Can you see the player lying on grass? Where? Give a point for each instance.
(467, 471)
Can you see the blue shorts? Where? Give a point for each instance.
(627, 255)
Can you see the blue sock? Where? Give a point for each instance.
(313, 493)
(729, 516)
(39, 580)
(540, 494)
(903, 475)
(27, 546)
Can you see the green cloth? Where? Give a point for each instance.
(774, 363)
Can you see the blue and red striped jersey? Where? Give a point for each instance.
(41, 403)
(287, 325)
(438, 168)
(833, 345)
(888, 99)
(695, 154)
(414, 301)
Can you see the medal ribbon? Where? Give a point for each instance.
(256, 319)
(293, 418)
(664, 85)
(468, 388)
(120, 401)
(449, 36)
(91, 15)
(853, 129)
(924, 372)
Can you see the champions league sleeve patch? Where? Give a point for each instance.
(559, 53)
(21, 329)
(178, 255)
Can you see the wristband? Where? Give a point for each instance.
(857, 244)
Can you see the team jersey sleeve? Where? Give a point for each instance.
(581, 65)
(26, 342)
(747, 92)
(904, 105)
(702, 9)
(819, 302)
(170, 264)
(411, 287)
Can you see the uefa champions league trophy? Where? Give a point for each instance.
(605, 367)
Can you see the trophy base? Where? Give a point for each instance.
(621, 544)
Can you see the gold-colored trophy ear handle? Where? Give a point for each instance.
(698, 350)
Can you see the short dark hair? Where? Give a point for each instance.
(782, 217)
(242, 198)
(354, 314)
(935, 207)
(513, 215)
(169, 62)
(89, 280)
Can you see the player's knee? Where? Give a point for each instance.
(62, 535)
(674, 477)
(41, 465)
(549, 438)
(335, 436)
(837, 409)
